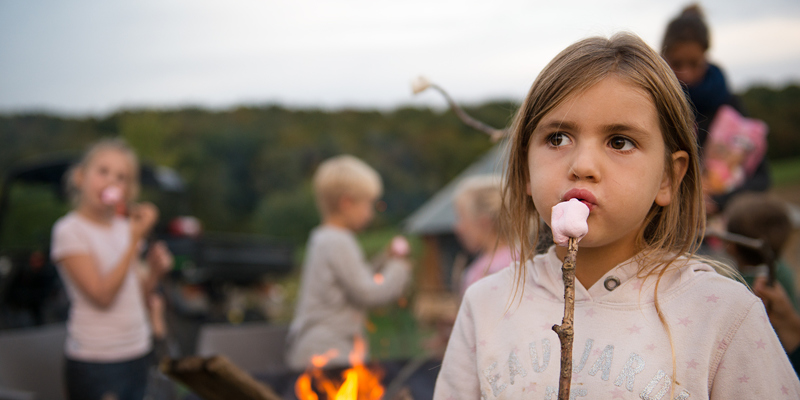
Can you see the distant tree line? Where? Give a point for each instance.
(248, 169)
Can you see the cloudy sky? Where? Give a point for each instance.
(91, 57)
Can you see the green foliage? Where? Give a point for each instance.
(786, 172)
(287, 214)
(35, 209)
(247, 169)
(780, 109)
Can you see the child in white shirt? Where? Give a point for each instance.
(97, 255)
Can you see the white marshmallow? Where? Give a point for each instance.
(568, 220)
(400, 246)
(111, 195)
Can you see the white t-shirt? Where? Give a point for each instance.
(119, 332)
(724, 345)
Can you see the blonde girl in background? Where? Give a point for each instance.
(478, 203)
(96, 251)
(606, 122)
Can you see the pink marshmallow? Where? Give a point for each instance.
(111, 195)
(400, 246)
(569, 220)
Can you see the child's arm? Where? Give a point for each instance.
(159, 261)
(753, 364)
(458, 377)
(361, 285)
(785, 320)
(82, 269)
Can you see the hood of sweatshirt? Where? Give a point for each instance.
(627, 283)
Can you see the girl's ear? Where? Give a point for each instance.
(485, 222)
(680, 163)
(76, 177)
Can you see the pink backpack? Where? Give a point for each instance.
(734, 149)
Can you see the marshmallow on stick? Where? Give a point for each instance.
(111, 195)
(400, 246)
(568, 222)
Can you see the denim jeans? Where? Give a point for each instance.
(125, 380)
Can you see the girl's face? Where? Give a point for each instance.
(469, 229)
(106, 168)
(604, 147)
(688, 62)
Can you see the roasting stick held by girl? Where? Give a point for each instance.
(607, 123)
(569, 225)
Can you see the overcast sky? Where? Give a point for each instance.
(84, 57)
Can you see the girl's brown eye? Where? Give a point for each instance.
(558, 139)
(620, 143)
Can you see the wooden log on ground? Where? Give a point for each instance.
(216, 378)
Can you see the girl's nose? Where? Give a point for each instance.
(585, 163)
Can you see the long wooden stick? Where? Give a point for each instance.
(494, 133)
(565, 331)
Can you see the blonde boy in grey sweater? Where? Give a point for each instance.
(338, 285)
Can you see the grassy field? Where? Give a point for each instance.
(786, 172)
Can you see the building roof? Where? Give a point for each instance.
(437, 216)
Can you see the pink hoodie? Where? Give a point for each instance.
(486, 264)
(724, 345)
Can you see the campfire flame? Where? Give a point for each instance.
(357, 382)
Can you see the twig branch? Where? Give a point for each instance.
(760, 245)
(565, 331)
(495, 134)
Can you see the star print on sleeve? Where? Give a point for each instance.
(743, 379)
(634, 329)
(692, 364)
(684, 321)
(712, 298)
(618, 393)
(760, 344)
(529, 297)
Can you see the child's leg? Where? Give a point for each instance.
(125, 380)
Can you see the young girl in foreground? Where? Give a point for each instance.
(108, 335)
(606, 122)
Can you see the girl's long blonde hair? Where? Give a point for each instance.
(668, 232)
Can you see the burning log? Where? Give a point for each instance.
(568, 221)
(216, 378)
(354, 383)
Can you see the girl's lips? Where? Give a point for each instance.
(585, 196)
